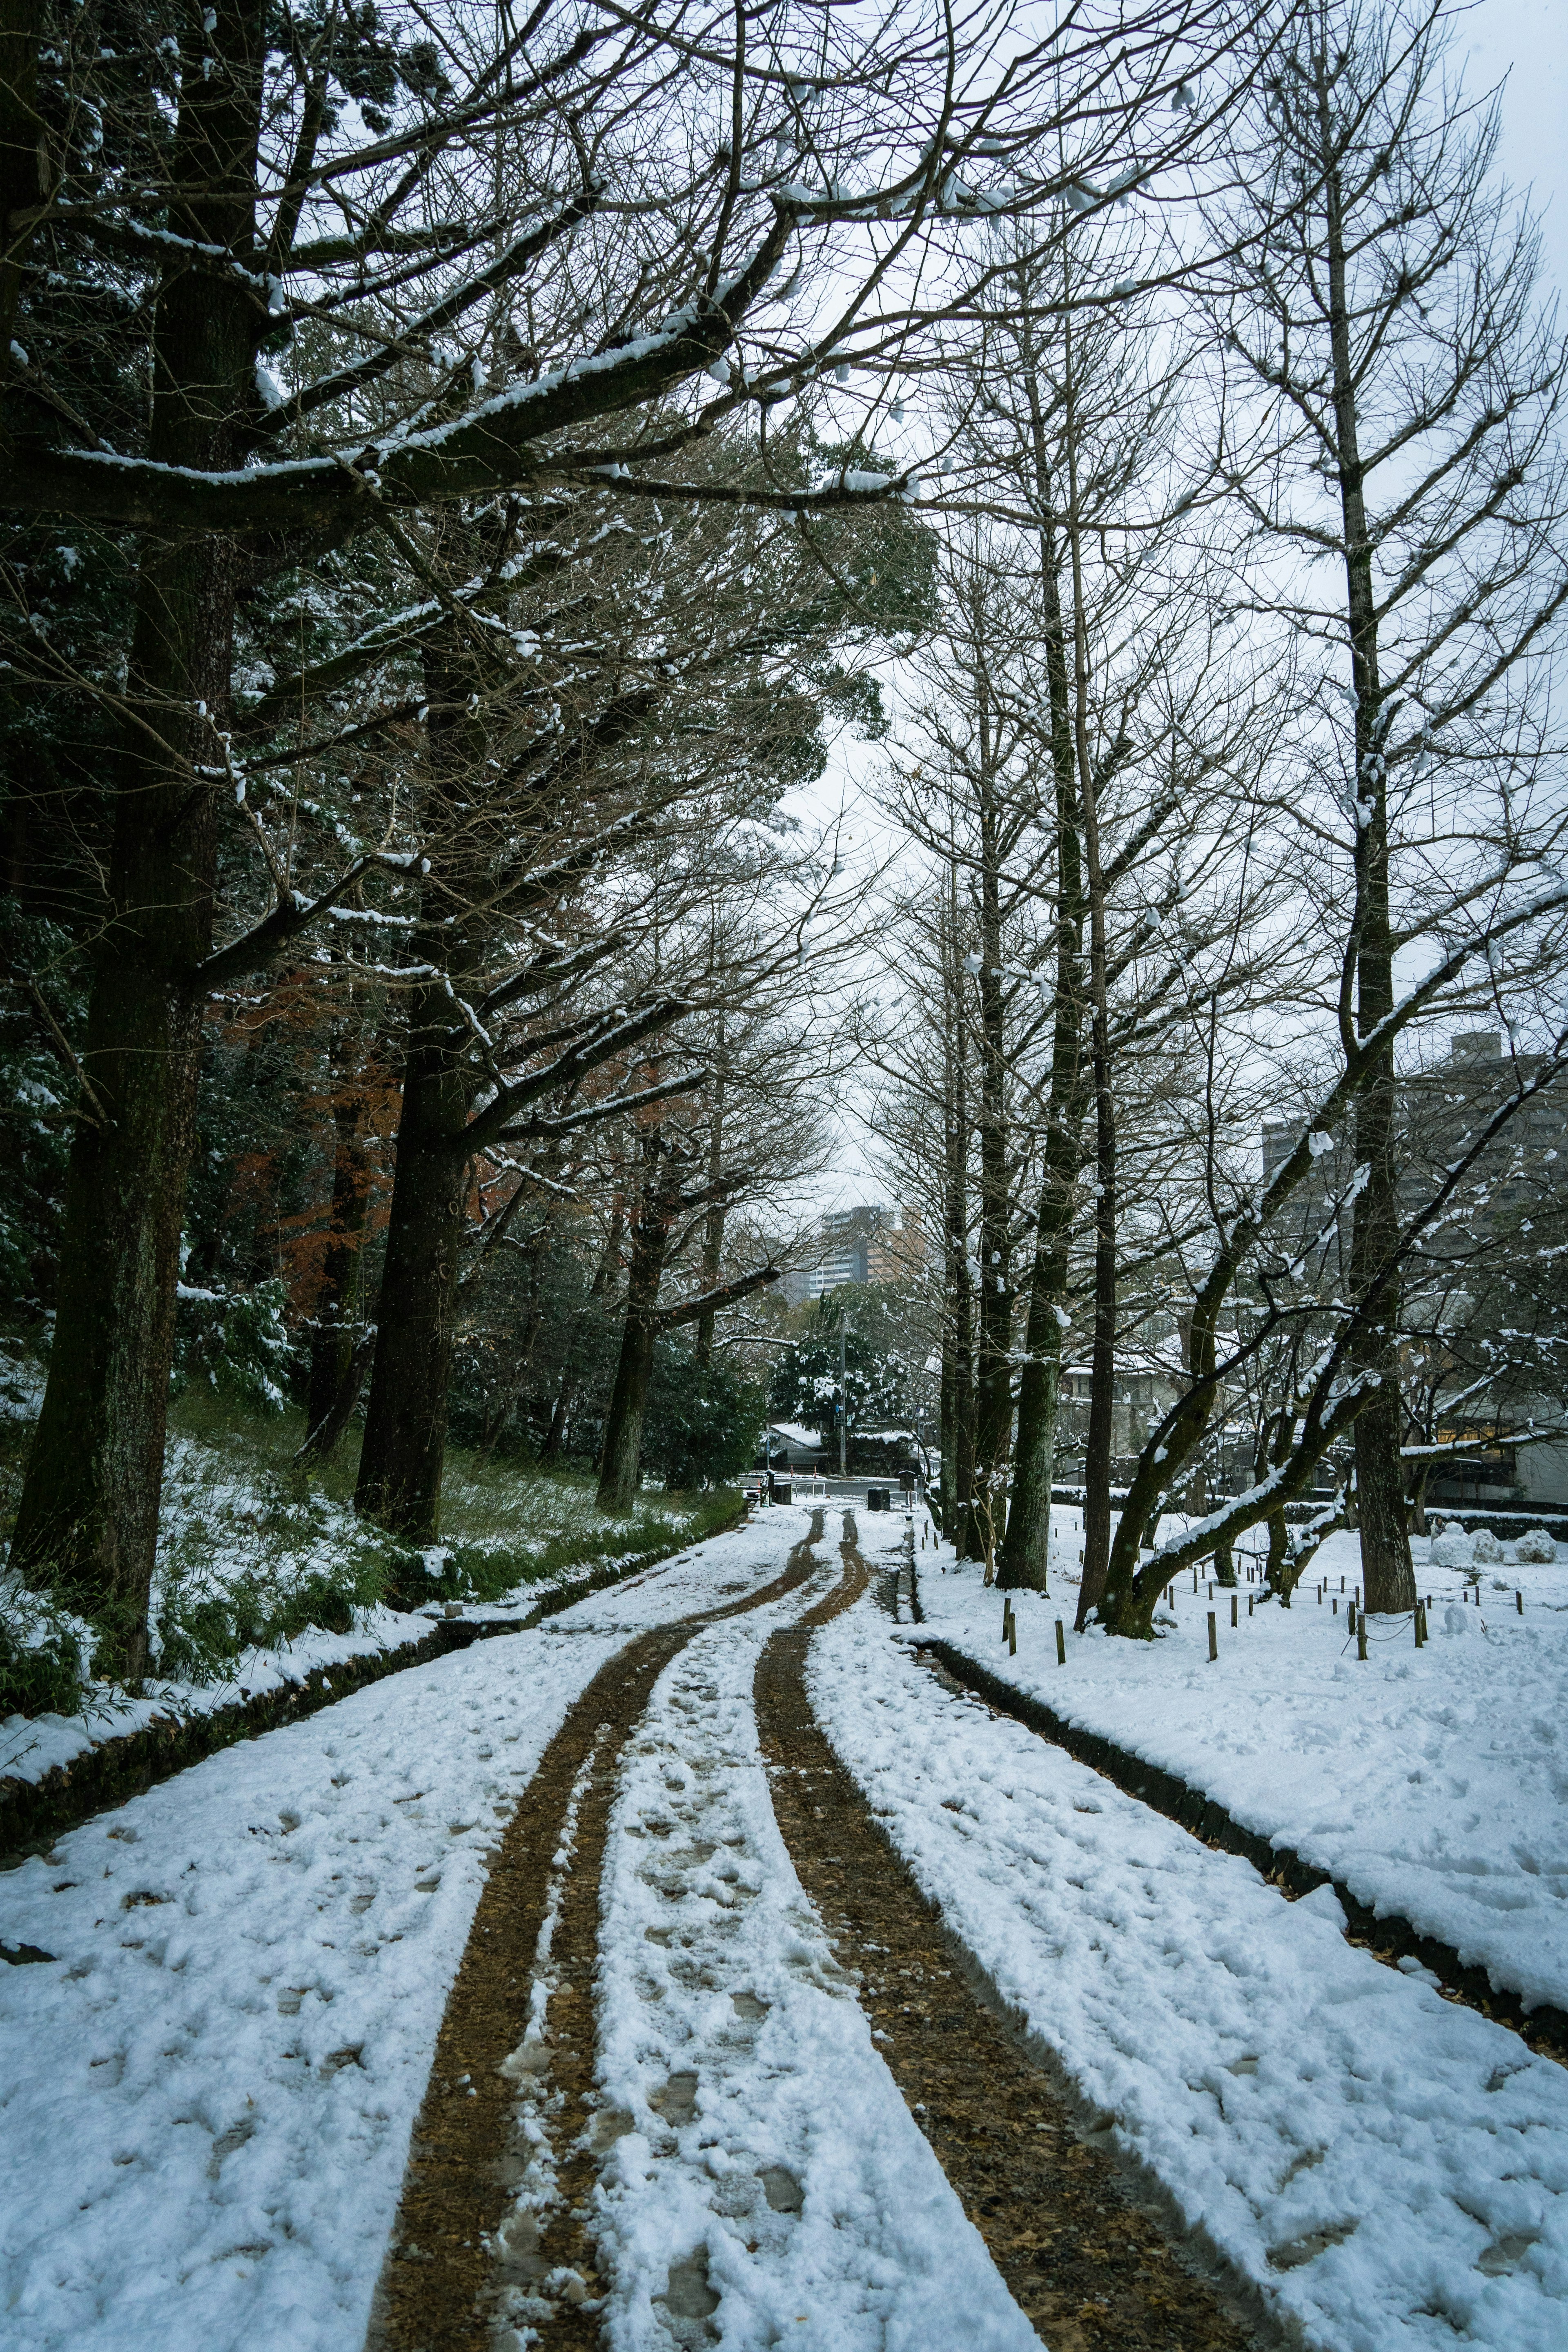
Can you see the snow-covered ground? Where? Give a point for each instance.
(206, 2098)
(1430, 1782)
(768, 2158)
(1389, 2169)
(32, 1744)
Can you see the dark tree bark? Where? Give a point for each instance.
(405, 1421)
(993, 1370)
(334, 1341)
(89, 1511)
(1102, 1382)
(321, 1444)
(1388, 1572)
(1026, 1546)
(662, 1201)
(957, 1488)
(713, 1224)
(620, 1468)
(405, 1443)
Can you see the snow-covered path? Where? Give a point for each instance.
(767, 2171)
(205, 2102)
(207, 2097)
(1390, 2170)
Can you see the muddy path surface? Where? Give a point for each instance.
(536, 1927)
(1094, 2269)
(513, 2084)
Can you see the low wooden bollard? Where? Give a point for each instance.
(1361, 1638)
(1233, 1602)
(1214, 1638)
(1061, 1645)
(1518, 1602)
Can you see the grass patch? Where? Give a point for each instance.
(255, 1552)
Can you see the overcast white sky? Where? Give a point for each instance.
(1520, 45)
(1527, 42)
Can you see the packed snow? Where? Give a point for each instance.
(1429, 1782)
(1387, 2168)
(768, 2171)
(206, 2097)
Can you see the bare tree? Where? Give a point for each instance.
(1408, 385)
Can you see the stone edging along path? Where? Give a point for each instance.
(33, 1813)
(1386, 1935)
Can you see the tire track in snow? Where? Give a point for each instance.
(1094, 2270)
(531, 1957)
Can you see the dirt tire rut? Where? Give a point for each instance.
(1093, 2268)
(444, 2268)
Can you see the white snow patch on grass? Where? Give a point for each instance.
(1431, 1782)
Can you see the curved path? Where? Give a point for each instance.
(512, 2091)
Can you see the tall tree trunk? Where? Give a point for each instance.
(1102, 1382)
(417, 1320)
(89, 1510)
(620, 1466)
(570, 1381)
(1025, 1550)
(1389, 1576)
(993, 1382)
(334, 1343)
(713, 1224)
(405, 1421)
(958, 1317)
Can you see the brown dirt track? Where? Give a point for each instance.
(1094, 2269)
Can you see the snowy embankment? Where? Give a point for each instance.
(1429, 1782)
(32, 1746)
(767, 2160)
(1388, 2168)
(206, 2098)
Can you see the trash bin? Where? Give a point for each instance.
(879, 1498)
(784, 1490)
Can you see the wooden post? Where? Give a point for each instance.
(1061, 1645)
(1249, 1604)
(1518, 1602)
(1214, 1639)
(1234, 1598)
(1360, 1639)
(1006, 1617)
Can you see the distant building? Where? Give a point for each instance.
(1519, 1179)
(864, 1244)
